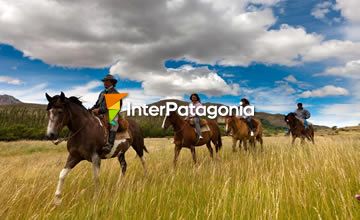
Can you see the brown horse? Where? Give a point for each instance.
(298, 130)
(88, 136)
(241, 132)
(185, 135)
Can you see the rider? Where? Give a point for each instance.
(195, 101)
(302, 114)
(244, 102)
(100, 109)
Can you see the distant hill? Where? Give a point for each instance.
(8, 100)
(28, 121)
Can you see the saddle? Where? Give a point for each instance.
(253, 121)
(191, 122)
(123, 123)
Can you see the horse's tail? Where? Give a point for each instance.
(219, 141)
(145, 149)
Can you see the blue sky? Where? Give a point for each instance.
(274, 52)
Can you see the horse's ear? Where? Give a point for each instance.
(62, 96)
(49, 98)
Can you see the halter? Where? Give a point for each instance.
(59, 140)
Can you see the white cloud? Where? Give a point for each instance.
(184, 80)
(349, 9)
(291, 78)
(88, 94)
(328, 90)
(321, 9)
(280, 99)
(338, 115)
(146, 33)
(341, 50)
(350, 70)
(10, 80)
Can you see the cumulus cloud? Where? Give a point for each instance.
(322, 9)
(350, 70)
(338, 115)
(292, 79)
(184, 80)
(10, 80)
(279, 99)
(349, 9)
(341, 50)
(146, 33)
(88, 94)
(328, 90)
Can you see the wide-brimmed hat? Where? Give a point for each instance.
(110, 78)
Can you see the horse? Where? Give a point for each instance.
(88, 136)
(185, 136)
(241, 132)
(298, 130)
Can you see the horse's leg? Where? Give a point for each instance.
(122, 161)
(245, 145)
(70, 163)
(261, 143)
(234, 144)
(293, 140)
(143, 164)
(176, 155)
(96, 161)
(208, 145)
(240, 143)
(302, 140)
(193, 153)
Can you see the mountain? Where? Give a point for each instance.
(8, 100)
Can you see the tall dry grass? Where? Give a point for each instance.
(283, 182)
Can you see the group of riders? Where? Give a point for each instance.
(110, 82)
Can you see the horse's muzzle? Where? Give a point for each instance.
(52, 136)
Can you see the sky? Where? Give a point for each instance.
(273, 52)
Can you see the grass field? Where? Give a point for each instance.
(282, 182)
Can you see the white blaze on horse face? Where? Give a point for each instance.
(227, 126)
(163, 124)
(52, 123)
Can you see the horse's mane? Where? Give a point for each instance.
(76, 100)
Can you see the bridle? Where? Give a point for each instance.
(70, 135)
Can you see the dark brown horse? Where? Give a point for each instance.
(88, 136)
(298, 130)
(185, 135)
(240, 132)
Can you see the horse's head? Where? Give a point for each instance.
(289, 118)
(167, 119)
(229, 121)
(58, 115)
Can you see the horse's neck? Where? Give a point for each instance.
(78, 117)
(296, 124)
(177, 123)
(237, 124)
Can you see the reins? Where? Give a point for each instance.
(59, 140)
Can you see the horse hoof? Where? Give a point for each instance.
(57, 200)
(357, 197)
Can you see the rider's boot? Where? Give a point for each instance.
(108, 146)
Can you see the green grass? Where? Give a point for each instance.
(283, 182)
